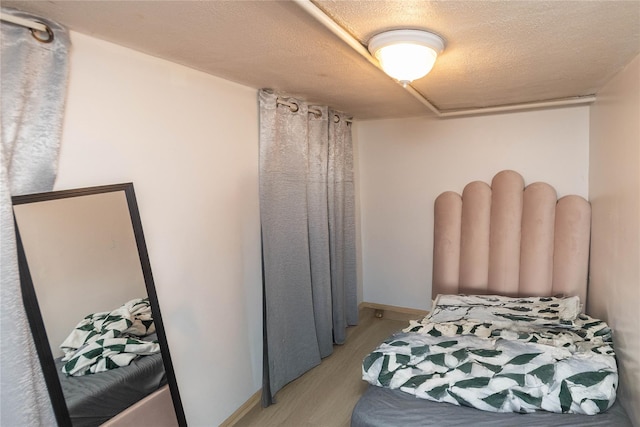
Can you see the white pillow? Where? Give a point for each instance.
(538, 311)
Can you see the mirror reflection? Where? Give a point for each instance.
(103, 332)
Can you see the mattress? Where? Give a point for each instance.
(383, 407)
(502, 354)
(93, 399)
(494, 361)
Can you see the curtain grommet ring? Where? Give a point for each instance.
(294, 107)
(317, 114)
(38, 35)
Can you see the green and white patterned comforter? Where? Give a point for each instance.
(543, 355)
(109, 340)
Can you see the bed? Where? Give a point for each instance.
(498, 249)
(112, 360)
(94, 399)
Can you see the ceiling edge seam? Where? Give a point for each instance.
(328, 22)
(551, 103)
(335, 28)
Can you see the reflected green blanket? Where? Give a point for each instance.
(109, 340)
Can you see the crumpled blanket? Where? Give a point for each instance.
(517, 367)
(108, 340)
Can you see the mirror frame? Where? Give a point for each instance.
(34, 315)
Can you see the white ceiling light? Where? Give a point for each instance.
(406, 55)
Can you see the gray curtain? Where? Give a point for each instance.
(33, 89)
(308, 236)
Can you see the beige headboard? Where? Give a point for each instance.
(510, 240)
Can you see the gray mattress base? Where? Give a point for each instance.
(93, 399)
(382, 407)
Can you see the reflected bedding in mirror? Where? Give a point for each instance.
(113, 352)
(126, 385)
(110, 339)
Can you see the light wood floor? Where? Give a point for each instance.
(326, 395)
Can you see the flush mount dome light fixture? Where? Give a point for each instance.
(406, 55)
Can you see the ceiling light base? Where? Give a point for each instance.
(406, 55)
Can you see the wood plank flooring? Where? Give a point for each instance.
(326, 395)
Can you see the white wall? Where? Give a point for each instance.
(189, 143)
(405, 163)
(614, 190)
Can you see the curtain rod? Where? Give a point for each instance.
(36, 28)
(315, 111)
(23, 22)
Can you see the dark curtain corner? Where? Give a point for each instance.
(266, 398)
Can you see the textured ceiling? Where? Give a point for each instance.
(497, 52)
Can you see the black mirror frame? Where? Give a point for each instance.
(34, 315)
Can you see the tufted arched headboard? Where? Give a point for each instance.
(506, 239)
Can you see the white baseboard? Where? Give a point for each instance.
(243, 410)
(393, 308)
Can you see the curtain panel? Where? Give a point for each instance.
(308, 236)
(33, 90)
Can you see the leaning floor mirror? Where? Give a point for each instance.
(93, 309)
